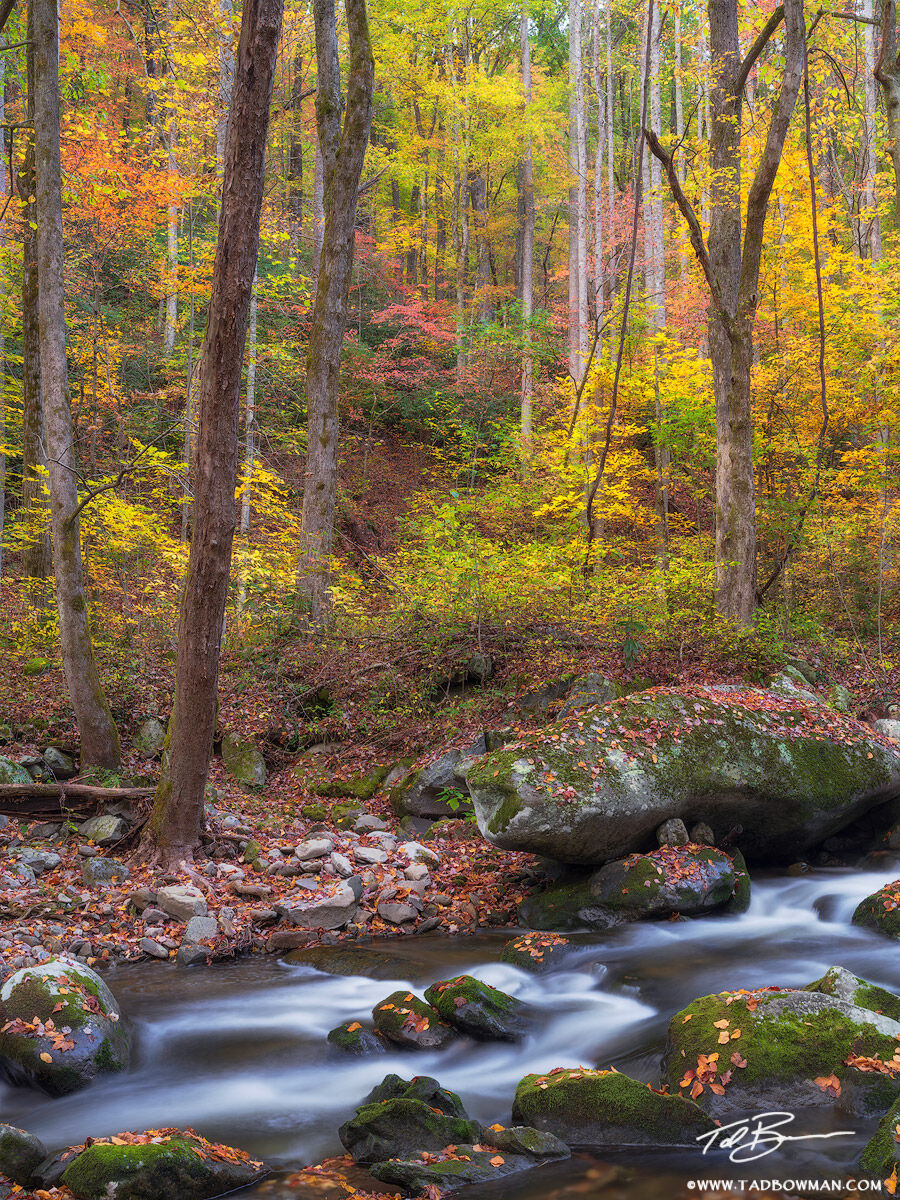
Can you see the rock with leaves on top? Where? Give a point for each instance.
(409, 1022)
(478, 1009)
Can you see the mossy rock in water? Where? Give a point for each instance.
(243, 761)
(479, 1009)
(368, 961)
(62, 995)
(408, 1021)
(166, 1168)
(881, 1156)
(420, 1087)
(784, 766)
(354, 1038)
(536, 952)
(740, 897)
(606, 1108)
(881, 910)
(740, 1052)
(12, 773)
(841, 983)
(402, 1128)
(559, 906)
(522, 1139)
(20, 1155)
(357, 787)
(687, 879)
(463, 1166)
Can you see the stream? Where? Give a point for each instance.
(238, 1052)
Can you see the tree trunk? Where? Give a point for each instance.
(249, 419)
(526, 442)
(576, 359)
(870, 231)
(99, 740)
(226, 79)
(295, 164)
(887, 72)
(679, 130)
(173, 830)
(343, 154)
(170, 321)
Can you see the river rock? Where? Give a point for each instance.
(354, 1038)
(673, 879)
(178, 1167)
(322, 912)
(606, 1108)
(420, 1087)
(150, 738)
(536, 952)
(881, 910)
(785, 767)
(243, 761)
(438, 789)
(401, 1128)
(81, 1039)
(370, 855)
(889, 727)
(479, 1009)
(39, 860)
(20, 1155)
(96, 871)
(417, 853)
(449, 1170)
(313, 848)
(181, 902)
(12, 773)
(839, 982)
(786, 1049)
(200, 929)
(104, 830)
(397, 912)
(673, 833)
(881, 1156)
(405, 1019)
(59, 763)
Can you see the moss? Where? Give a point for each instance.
(398, 1128)
(420, 1087)
(535, 952)
(838, 982)
(881, 910)
(402, 1017)
(586, 1107)
(358, 787)
(477, 1008)
(882, 1153)
(558, 907)
(314, 812)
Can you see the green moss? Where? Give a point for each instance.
(399, 1128)
(174, 1169)
(881, 910)
(477, 1008)
(839, 982)
(402, 1017)
(354, 1039)
(314, 812)
(358, 787)
(882, 1153)
(558, 907)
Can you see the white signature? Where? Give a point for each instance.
(755, 1137)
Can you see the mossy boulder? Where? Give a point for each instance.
(243, 761)
(881, 1156)
(536, 952)
(784, 766)
(358, 787)
(688, 879)
(739, 1052)
(150, 738)
(20, 1155)
(402, 1128)
(479, 1009)
(177, 1167)
(420, 1087)
(845, 986)
(408, 1021)
(353, 1038)
(438, 789)
(522, 1139)
(881, 910)
(61, 1027)
(12, 773)
(456, 1168)
(559, 906)
(605, 1108)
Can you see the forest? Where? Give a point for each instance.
(450, 577)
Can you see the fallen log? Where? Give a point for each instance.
(21, 799)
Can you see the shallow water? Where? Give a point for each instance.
(238, 1051)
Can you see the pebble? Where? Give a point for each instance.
(87, 851)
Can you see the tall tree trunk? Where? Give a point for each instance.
(576, 227)
(343, 152)
(887, 72)
(99, 740)
(295, 164)
(610, 143)
(173, 830)
(679, 130)
(526, 441)
(2, 333)
(870, 222)
(226, 79)
(170, 320)
(249, 419)
(599, 198)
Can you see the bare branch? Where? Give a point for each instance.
(757, 48)
(93, 493)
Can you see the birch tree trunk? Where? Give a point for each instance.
(343, 153)
(599, 197)
(249, 418)
(99, 739)
(526, 442)
(226, 79)
(871, 222)
(170, 323)
(576, 229)
(173, 830)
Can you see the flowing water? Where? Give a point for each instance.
(238, 1051)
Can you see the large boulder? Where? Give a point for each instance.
(12, 773)
(60, 1027)
(478, 1009)
(439, 788)
(402, 1128)
(740, 1052)
(243, 761)
(161, 1165)
(781, 765)
(606, 1108)
(408, 1021)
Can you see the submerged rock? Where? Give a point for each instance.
(456, 1168)
(408, 1021)
(536, 951)
(61, 1027)
(479, 1009)
(605, 1108)
(784, 766)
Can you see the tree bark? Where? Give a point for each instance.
(226, 79)
(170, 320)
(576, 361)
(887, 72)
(249, 419)
(870, 231)
(343, 154)
(99, 740)
(295, 164)
(173, 829)
(526, 442)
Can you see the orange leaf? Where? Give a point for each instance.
(45, 1057)
(723, 1024)
(498, 1160)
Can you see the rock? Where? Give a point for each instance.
(586, 692)
(840, 698)
(521, 1139)
(439, 788)
(200, 929)
(154, 949)
(59, 763)
(684, 879)
(150, 738)
(431, 1174)
(368, 823)
(672, 833)
(397, 912)
(12, 773)
(313, 848)
(775, 1044)
(850, 988)
(99, 1038)
(473, 670)
(402, 1128)
(103, 831)
(417, 873)
(358, 787)
(323, 912)
(243, 761)
(702, 834)
(479, 1009)
(370, 855)
(405, 1019)
(189, 953)
(605, 1108)
(536, 952)
(421, 1087)
(342, 865)
(786, 768)
(182, 903)
(95, 871)
(881, 1157)
(539, 701)
(178, 1167)
(20, 1155)
(39, 860)
(888, 728)
(416, 852)
(881, 910)
(354, 1038)
(370, 961)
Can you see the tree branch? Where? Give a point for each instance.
(757, 48)
(93, 493)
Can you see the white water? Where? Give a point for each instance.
(238, 1052)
